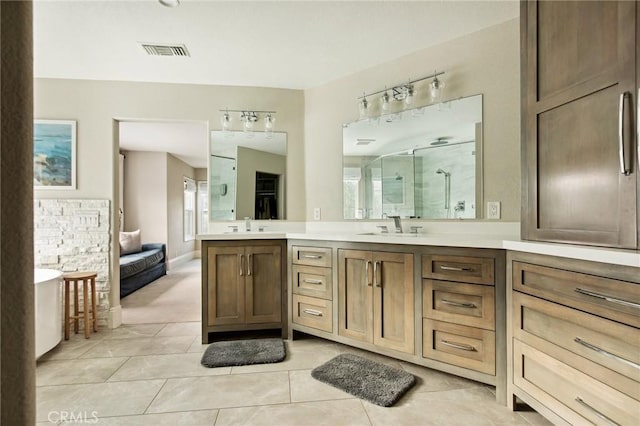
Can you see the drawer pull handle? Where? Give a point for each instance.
(312, 281)
(605, 353)
(455, 268)
(468, 348)
(312, 256)
(607, 298)
(596, 412)
(458, 304)
(366, 272)
(241, 263)
(312, 312)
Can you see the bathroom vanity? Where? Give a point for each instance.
(516, 315)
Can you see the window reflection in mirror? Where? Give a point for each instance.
(247, 175)
(420, 163)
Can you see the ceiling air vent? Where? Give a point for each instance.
(364, 141)
(165, 49)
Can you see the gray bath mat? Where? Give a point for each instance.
(243, 352)
(368, 380)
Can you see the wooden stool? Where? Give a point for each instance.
(88, 279)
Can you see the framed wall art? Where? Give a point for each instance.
(54, 154)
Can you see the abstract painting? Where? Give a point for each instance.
(54, 154)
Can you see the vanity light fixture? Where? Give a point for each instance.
(225, 120)
(269, 121)
(363, 106)
(435, 88)
(248, 118)
(404, 92)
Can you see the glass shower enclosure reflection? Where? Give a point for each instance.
(222, 187)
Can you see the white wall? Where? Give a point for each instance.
(486, 62)
(145, 195)
(95, 105)
(177, 170)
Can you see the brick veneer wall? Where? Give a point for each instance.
(74, 235)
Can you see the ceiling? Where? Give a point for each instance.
(284, 44)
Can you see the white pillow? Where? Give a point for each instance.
(130, 242)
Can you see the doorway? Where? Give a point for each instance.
(266, 205)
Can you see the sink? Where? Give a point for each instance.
(389, 234)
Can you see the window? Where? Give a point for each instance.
(203, 207)
(189, 209)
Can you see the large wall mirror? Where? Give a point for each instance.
(419, 163)
(247, 175)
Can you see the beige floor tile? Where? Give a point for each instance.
(165, 367)
(238, 390)
(474, 406)
(330, 413)
(433, 380)
(140, 346)
(103, 399)
(305, 388)
(197, 345)
(66, 372)
(129, 331)
(192, 328)
(186, 418)
(391, 362)
(299, 356)
(70, 349)
(534, 418)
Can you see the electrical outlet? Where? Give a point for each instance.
(493, 210)
(316, 213)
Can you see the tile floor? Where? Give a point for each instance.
(150, 374)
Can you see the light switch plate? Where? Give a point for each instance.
(493, 210)
(316, 213)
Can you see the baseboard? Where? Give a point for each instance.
(180, 260)
(115, 317)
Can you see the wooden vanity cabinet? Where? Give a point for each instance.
(579, 97)
(458, 309)
(242, 285)
(574, 336)
(376, 298)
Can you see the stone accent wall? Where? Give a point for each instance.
(74, 235)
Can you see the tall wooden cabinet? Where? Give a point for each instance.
(579, 108)
(243, 285)
(376, 298)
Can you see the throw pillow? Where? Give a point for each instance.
(130, 242)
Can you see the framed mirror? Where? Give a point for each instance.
(419, 163)
(247, 173)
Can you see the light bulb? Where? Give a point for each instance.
(384, 101)
(435, 88)
(269, 121)
(408, 100)
(225, 120)
(363, 107)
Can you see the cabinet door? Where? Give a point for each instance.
(355, 288)
(263, 279)
(393, 301)
(225, 285)
(578, 64)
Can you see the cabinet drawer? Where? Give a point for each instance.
(459, 345)
(313, 312)
(572, 395)
(476, 270)
(570, 336)
(312, 256)
(609, 298)
(312, 281)
(466, 304)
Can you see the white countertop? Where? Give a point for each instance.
(490, 241)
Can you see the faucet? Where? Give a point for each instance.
(247, 224)
(396, 220)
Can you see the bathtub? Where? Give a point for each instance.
(48, 309)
